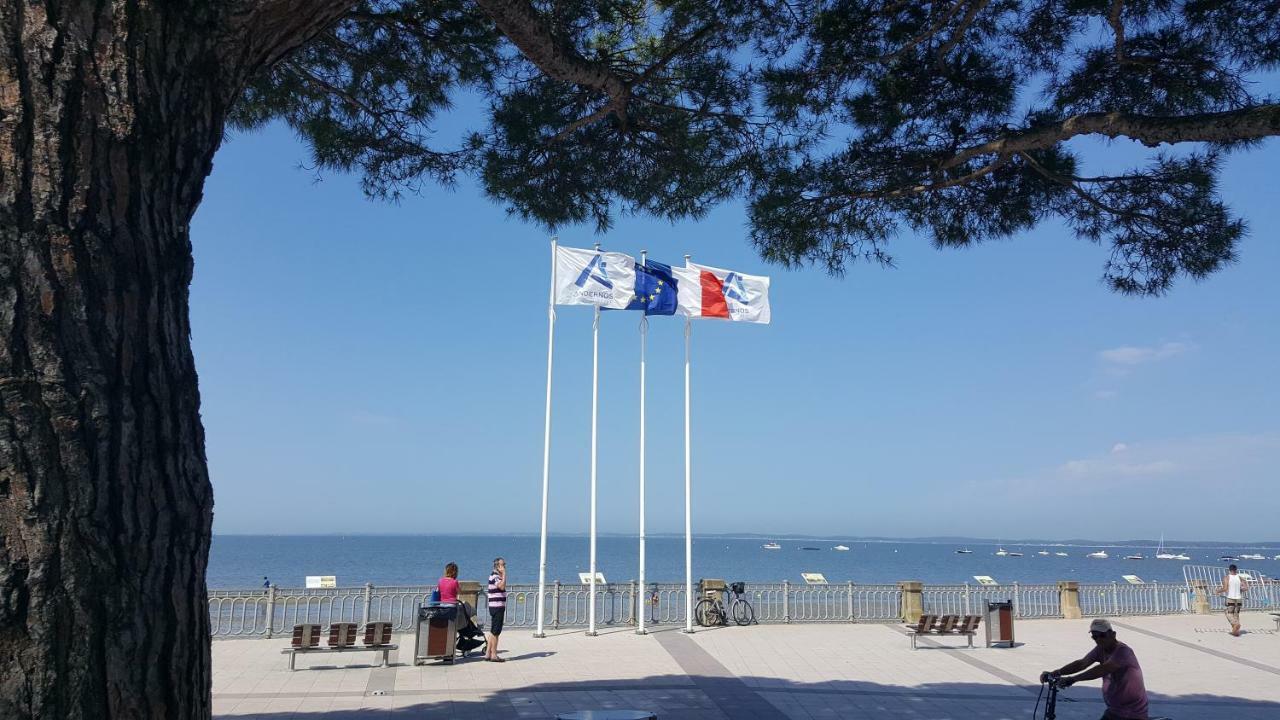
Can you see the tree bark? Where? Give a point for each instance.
(110, 113)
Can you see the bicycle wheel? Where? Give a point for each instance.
(743, 613)
(708, 613)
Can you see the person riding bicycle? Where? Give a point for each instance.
(1122, 686)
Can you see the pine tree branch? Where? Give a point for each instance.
(958, 34)
(1117, 26)
(996, 164)
(928, 33)
(261, 32)
(1251, 123)
(525, 28)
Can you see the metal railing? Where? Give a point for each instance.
(274, 611)
(1263, 592)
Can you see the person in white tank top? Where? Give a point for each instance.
(1234, 587)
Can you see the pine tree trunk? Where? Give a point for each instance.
(110, 113)
(105, 503)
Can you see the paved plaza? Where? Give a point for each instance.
(1194, 669)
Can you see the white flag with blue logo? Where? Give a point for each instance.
(590, 277)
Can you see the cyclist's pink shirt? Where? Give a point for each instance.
(1123, 690)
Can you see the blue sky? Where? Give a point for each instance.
(386, 362)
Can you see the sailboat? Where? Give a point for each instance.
(1001, 552)
(1162, 554)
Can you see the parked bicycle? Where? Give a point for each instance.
(710, 610)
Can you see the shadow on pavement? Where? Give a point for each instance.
(701, 697)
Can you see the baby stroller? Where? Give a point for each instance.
(470, 633)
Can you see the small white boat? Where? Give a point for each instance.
(771, 546)
(1060, 554)
(1276, 557)
(1134, 557)
(1015, 554)
(967, 551)
(1252, 556)
(841, 548)
(1043, 552)
(1101, 555)
(1001, 552)
(1227, 558)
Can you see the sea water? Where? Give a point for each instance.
(241, 561)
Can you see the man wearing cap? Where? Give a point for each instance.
(1122, 686)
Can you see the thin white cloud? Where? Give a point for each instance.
(1118, 448)
(1153, 486)
(1107, 469)
(1131, 355)
(364, 417)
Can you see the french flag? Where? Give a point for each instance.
(708, 292)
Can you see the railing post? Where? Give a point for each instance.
(1115, 598)
(635, 604)
(786, 601)
(912, 603)
(271, 609)
(967, 611)
(1201, 590)
(555, 606)
(851, 618)
(1155, 588)
(1069, 599)
(368, 597)
(1017, 601)
(652, 604)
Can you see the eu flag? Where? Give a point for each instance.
(655, 290)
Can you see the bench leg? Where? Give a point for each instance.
(386, 654)
(292, 656)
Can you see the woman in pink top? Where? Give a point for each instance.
(448, 584)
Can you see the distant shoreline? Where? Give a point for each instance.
(941, 540)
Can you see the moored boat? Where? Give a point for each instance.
(841, 548)
(1101, 555)
(771, 546)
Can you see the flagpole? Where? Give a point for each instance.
(688, 513)
(641, 605)
(595, 384)
(546, 445)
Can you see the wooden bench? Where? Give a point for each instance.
(944, 625)
(342, 638)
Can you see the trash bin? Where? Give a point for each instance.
(999, 623)
(437, 634)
